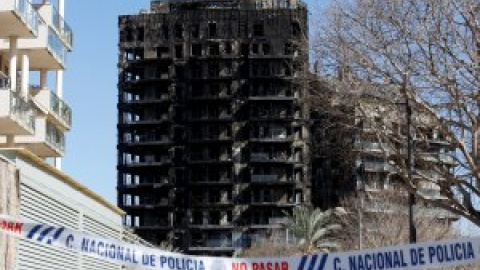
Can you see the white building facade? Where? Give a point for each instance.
(34, 41)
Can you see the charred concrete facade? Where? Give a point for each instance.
(212, 127)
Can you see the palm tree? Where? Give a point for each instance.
(315, 228)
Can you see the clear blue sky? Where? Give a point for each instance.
(91, 90)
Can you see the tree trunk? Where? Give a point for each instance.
(9, 205)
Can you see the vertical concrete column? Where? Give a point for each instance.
(59, 83)
(10, 141)
(13, 62)
(43, 79)
(59, 92)
(25, 75)
(61, 8)
(58, 163)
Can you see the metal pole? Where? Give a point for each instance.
(361, 194)
(411, 196)
(360, 224)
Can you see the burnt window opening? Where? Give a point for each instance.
(180, 72)
(196, 49)
(258, 29)
(212, 30)
(228, 47)
(214, 49)
(213, 69)
(140, 34)
(266, 49)
(127, 35)
(178, 51)
(289, 49)
(296, 29)
(197, 71)
(242, 29)
(228, 67)
(287, 69)
(245, 49)
(163, 52)
(255, 48)
(195, 30)
(133, 54)
(178, 31)
(165, 32)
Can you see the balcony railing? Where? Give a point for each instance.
(219, 243)
(4, 81)
(55, 45)
(60, 109)
(272, 137)
(25, 9)
(266, 157)
(55, 137)
(62, 27)
(377, 166)
(210, 157)
(278, 220)
(22, 111)
(445, 158)
(158, 160)
(147, 138)
(265, 178)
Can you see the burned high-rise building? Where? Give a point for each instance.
(212, 130)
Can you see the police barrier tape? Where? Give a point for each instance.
(416, 256)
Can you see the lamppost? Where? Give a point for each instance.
(411, 195)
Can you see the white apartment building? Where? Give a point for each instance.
(34, 41)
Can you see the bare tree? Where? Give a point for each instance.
(381, 219)
(425, 53)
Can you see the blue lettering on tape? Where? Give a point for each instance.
(33, 231)
(302, 262)
(323, 261)
(312, 262)
(45, 233)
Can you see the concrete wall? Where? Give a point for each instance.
(9, 205)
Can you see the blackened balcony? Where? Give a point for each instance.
(148, 204)
(199, 116)
(154, 99)
(212, 96)
(272, 138)
(210, 137)
(154, 182)
(154, 226)
(272, 202)
(211, 181)
(263, 157)
(147, 139)
(205, 158)
(148, 162)
(272, 116)
(150, 120)
(270, 179)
